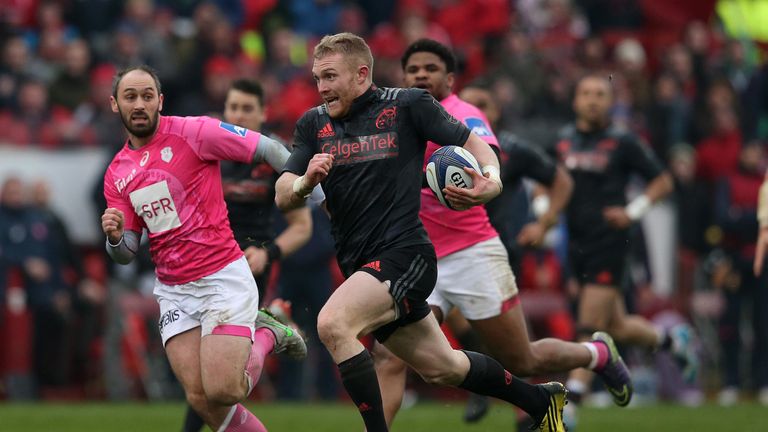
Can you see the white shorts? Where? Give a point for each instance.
(225, 302)
(478, 280)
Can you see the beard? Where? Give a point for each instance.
(140, 131)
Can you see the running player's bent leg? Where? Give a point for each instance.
(598, 311)
(362, 303)
(225, 381)
(594, 313)
(184, 354)
(391, 372)
(506, 336)
(192, 360)
(632, 329)
(222, 365)
(425, 348)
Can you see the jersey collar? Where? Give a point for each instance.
(361, 101)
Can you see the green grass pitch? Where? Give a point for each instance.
(426, 417)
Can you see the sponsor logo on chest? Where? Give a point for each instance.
(354, 150)
(596, 160)
(121, 183)
(155, 205)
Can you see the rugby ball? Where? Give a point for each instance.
(446, 167)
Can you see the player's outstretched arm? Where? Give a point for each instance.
(658, 188)
(121, 244)
(761, 246)
(555, 199)
(559, 194)
(272, 152)
(297, 233)
(762, 235)
(293, 190)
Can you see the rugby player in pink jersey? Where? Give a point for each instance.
(474, 274)
(166, 180)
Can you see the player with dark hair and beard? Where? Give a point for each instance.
(166, 180)
(249, 191)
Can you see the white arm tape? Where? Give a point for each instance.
(300, 188)
(638, 207)
(540, 205)
(493, 174)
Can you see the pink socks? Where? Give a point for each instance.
(263, 344)
(240, 419)
(600, 355)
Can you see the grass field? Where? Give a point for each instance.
(334, 418)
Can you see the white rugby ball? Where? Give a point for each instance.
(446, 167)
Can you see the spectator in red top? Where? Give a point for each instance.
(718, 154)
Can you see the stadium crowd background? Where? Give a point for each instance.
(689, 76)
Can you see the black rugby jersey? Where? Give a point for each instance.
(373, 189)
(524, 160)
(601, 163)
(249, 191)
(508, 212)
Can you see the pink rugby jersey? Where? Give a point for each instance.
(451, 230)
(172, 187)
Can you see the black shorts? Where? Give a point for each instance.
(599, 261)
(412, 273)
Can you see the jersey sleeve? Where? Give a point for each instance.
(131, 220)
(213, 139)
(304, 138)
(638, 157)
(433, 123)
(527, 161)
(478, 124)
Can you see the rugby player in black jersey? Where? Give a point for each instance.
(366, 145)
(601, 160)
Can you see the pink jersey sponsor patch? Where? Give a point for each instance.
(450, 230)
(172, 188)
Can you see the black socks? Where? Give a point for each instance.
(362, 385)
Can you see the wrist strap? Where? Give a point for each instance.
(638, 207)
(540, 205)
(300, 188)
(273, 251)
(493, 174)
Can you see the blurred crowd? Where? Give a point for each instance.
(696, 94)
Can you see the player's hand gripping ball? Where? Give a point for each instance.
(446, 167)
